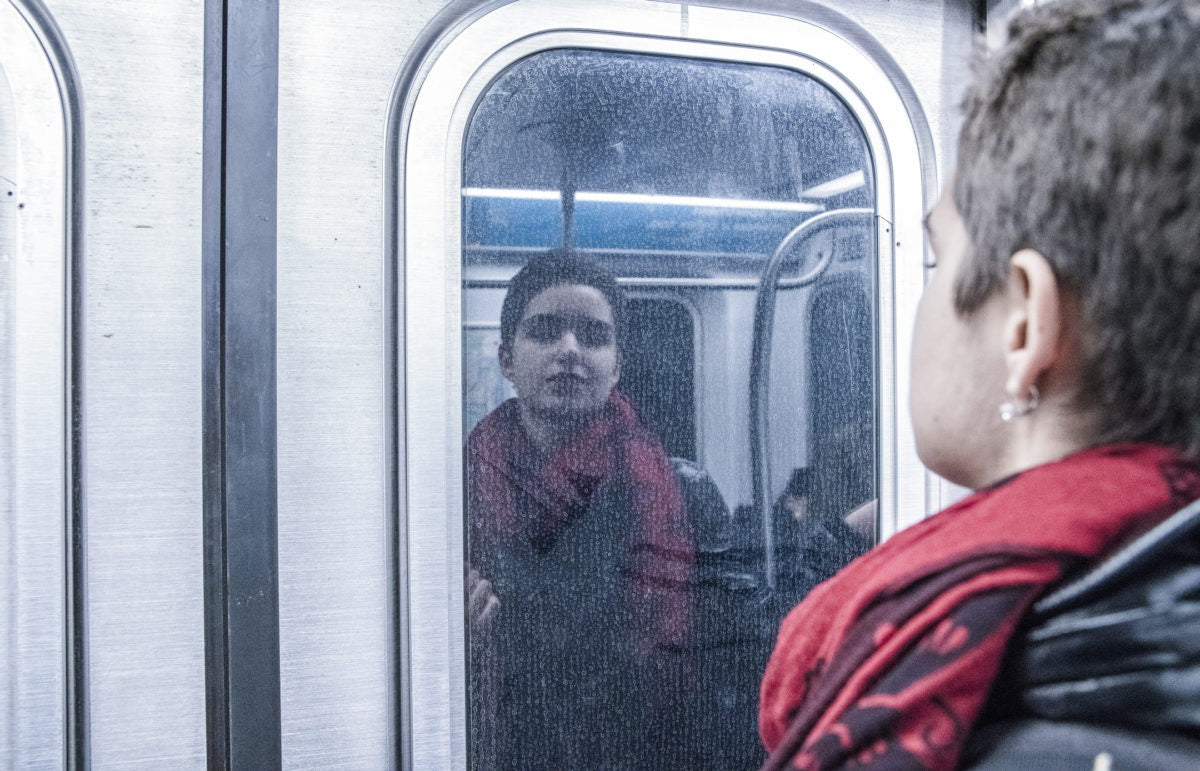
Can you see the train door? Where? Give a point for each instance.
(102, 647)
(251, 266)
(714, 167)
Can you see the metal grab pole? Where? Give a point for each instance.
(764, 322)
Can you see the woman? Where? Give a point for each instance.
(1056, 371)
(587, 533)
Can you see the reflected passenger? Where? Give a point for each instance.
(579, 524)
(1056, 372)
(813, 542)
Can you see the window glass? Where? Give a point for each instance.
(658, 370)
(625, 587)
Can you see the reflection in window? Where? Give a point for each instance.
(658, 370)
(622, 604)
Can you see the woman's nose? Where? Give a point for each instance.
(568, 343)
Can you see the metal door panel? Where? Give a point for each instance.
(338, 64)
(33, 397)
(338, 68)
(431, 290)
(140, 66)
(930, 43)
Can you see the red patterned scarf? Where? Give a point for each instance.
(889, 663)
(513, 493)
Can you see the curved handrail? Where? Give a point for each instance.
(764, 322)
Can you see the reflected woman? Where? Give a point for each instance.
(1066, 293)
(577, 521)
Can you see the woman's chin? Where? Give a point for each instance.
(952, 466)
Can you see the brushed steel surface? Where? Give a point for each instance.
(338, 65)
(335, 572)
(930, 42)
(140, 70)
(33, 442)
(8, 244)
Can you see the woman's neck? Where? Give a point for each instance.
(547, 433)
(1049, 434)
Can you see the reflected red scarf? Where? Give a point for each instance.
(888, 664)
(515, 494)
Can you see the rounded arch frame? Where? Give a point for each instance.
(466, 47)
(47, 190)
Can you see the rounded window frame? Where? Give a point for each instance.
(432, 106)
(44, 112)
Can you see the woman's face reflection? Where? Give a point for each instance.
(563, 361)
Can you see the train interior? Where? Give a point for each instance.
(252, 260)
(642, 164)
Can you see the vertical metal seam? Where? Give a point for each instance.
(222, 422)
(216, 643)
(241, 500)
(249, 383)
(397, 631)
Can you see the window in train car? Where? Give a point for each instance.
(658, 370)
(823, 388)
(484, 385)
(622, 600)
(841, 419)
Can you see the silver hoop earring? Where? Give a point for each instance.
(1019, 408)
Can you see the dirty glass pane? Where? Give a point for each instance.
(634, 533)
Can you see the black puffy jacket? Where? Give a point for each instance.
(1106, 674)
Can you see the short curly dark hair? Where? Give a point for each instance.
(1081, 139)
(552, 269)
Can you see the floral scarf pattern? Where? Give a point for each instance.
(889, 663)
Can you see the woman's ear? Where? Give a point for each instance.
(505, 356)
(1033, 333)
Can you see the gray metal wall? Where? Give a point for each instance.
(139, 69)
(140, 74)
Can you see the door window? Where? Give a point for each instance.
(636, 560)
